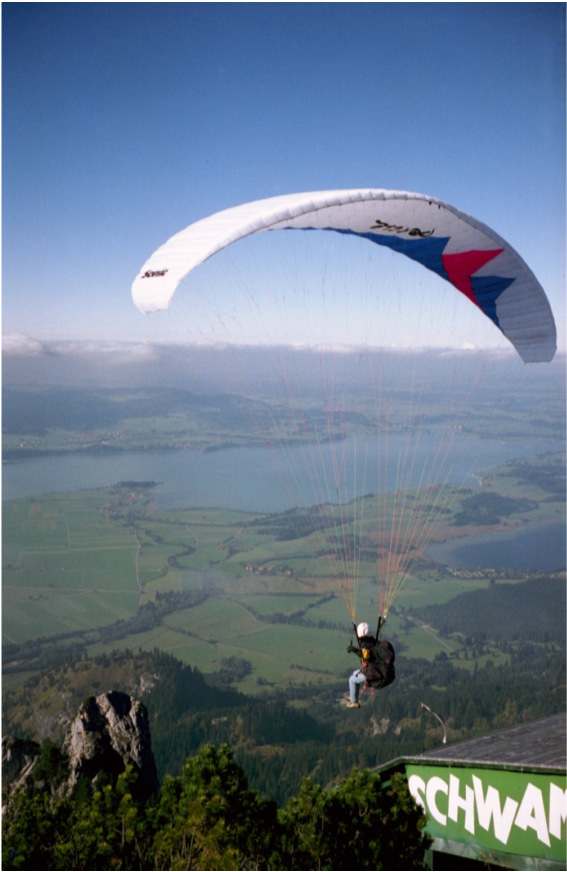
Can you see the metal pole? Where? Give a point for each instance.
(439, 719)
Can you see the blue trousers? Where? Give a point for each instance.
(355, 683)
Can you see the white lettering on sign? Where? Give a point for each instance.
(434, 786)
(557, 809)
(456, 802)
(416, 786)
(488, 808)
(485, 806)
(532, 813)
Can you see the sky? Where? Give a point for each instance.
(125, 122)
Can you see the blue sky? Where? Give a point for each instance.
(123, 123)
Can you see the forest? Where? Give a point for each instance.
(544, 597)
(210, 818)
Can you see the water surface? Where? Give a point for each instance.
(538, 547)
(260, 480)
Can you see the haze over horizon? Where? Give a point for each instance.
(28, 363)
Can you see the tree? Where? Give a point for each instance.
(211, 819)
(362, 824)
(28, 831)
(100, 828)
(108, 829)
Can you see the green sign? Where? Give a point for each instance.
(505, 810)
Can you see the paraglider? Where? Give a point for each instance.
(376, 669)
(459, 249)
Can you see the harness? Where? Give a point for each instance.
(377, 661)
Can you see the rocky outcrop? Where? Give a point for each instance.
(109, 733)
(18, 760)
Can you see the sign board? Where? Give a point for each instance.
(505, 810)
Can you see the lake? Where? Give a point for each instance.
(258, 480)
(537, 547)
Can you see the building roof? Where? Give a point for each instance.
(536, 744)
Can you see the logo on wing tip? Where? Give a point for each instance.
(152, 273)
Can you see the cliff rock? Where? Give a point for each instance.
(109, 733)
(18, 760)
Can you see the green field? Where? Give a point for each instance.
(79, 563)
(66, 566)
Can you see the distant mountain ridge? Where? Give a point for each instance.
(35, 411)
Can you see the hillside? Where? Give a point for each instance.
(280, 737)
(533, 612)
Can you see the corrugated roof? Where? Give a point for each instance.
(538, 743)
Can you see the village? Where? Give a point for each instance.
(269, 570)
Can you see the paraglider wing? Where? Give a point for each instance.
(460, 249)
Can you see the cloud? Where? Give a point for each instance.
(109, 350)
(20, 345)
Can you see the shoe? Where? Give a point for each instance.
(353, 704)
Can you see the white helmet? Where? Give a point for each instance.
(362, 630)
